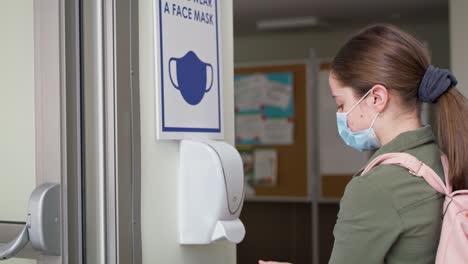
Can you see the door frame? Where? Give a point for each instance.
(111, 131)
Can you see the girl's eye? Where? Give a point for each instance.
(339, 107)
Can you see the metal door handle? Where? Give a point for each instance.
(42, 225)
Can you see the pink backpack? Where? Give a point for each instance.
(453, 244)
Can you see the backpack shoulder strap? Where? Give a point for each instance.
(415, 167)
(445, 165)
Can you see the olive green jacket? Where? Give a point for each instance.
(389, 215)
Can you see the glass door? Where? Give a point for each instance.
(39, 139)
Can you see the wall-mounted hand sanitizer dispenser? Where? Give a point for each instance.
(211, 192)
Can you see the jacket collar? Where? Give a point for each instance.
(403, 142)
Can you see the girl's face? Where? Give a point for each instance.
(361, 116)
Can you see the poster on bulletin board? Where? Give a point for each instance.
(264, 105)
(260, 167)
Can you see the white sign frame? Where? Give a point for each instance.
(179, 132)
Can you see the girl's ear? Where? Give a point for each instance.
(378, 98)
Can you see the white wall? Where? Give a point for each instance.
(296, 44)
(17, 133)
(459, 42)
(160, 159)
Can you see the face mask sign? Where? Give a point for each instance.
(361, 140)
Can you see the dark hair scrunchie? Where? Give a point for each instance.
(434, 83)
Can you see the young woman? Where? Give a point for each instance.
(379, 80)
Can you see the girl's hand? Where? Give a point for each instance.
(272, 262)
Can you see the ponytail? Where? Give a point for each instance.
(452, 135)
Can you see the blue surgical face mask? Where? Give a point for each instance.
(361, 140)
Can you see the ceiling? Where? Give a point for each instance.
(336, 13)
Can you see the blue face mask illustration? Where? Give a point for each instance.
(361, 140)
(191, 77)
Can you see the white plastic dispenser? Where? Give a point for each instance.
(211, 192)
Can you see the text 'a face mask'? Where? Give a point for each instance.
(361, 140)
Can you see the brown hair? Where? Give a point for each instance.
(383, 54)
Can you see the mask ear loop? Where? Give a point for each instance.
(375, 119)
(358, 102)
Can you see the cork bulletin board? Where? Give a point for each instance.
(291, 156)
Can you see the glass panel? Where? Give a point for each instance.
(19, 261)
(17, 136)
